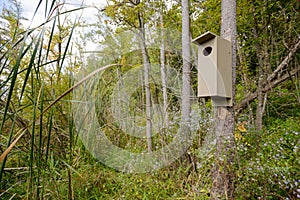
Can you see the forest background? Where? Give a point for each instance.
(133, 76)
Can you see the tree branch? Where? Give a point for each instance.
(286, 61)
(269, 84)
(267, 88)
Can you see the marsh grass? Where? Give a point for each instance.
(35, 105)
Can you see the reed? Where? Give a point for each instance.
(35, 104)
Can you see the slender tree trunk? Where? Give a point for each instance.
(147, 69)
(163, 72)
(259, 107)
(186, 56)
(223, 173)
(259, 114)
(262, 53)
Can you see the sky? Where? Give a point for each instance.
(29, 6)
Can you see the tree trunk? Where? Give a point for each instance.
(163, 72)
(259, 107)
(223, 173)
(259, 54)
(186, 56)
(146, 62)
(263, 61)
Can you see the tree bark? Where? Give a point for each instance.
(163, 72)
(223, 173)
(147, 69)
(186, 56)
(262, 53)
(261, 66)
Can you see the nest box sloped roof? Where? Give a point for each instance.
(204, 38)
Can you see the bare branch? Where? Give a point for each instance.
(286, 61)
(269, 84)
(267, 88)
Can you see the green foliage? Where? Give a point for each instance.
(128, 14)
(269, 162)
(287, 106)
(206, 16)
(50, 161)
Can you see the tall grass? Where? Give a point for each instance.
(33, 100)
